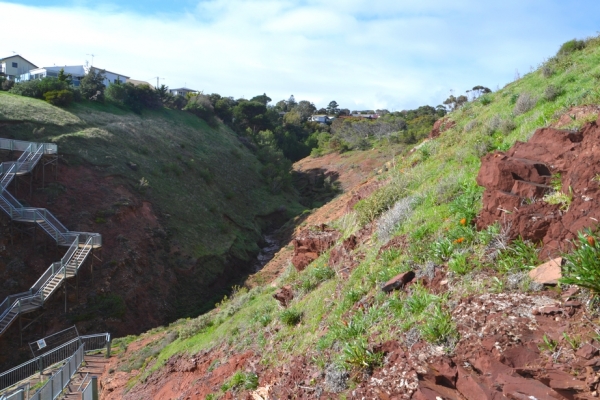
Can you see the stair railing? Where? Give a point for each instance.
(34, 298)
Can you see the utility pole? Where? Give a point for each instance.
(157, 79)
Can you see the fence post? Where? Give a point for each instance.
(108, 347)
(40, 366)
(94, 384)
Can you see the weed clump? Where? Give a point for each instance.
(524, 103)
(370, 208)
(390, 220)
(195, 326)
(241, 380)
(290, 317)
(551, 93)
(583, 263)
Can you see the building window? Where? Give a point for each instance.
(15, 65)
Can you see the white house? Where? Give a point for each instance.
(77, 72)
(319, 118)
(182, 91)
(14, 66)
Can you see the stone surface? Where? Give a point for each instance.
(522, 174)
(284, 295)
(547, 273)
(398, 281)
(587, 351)
(310, 243)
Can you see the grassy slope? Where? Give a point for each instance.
(441, 176)
(202, 179)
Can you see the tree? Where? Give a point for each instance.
(291, 103)
(163, 93)
(92, 85)
(263, 99)
(67, 78)
(333, 108)
(305, 109)
(251, 114)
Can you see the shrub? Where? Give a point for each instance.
(507, 125)
(492, 124)
(27, 89)
(524, 103)
(458, 264)
(570, 47)
(59, 97)
(7, 84)
(195, 326)
(241, 380)
(358, 355)
(517, 256)
(547, 71)
(583, 263)
(390, 220)
(471, 125)
(370, 208)
(551, 93)
(485, 100)
(438, 326)
(290, 317)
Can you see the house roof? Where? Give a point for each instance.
(75, 70)
(182, 89)
(135, 82)
(110, 72)
(16, 55)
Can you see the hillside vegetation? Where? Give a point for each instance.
(334, 335)
(207, 199)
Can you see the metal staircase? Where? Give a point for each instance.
(80, 243)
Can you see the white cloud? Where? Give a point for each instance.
(364, 54)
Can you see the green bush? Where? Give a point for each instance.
(370, 208)
(583, 263)
(241, 380)
(290, 317)
(27, 89)
(570, 47)
(358, 355)
(59, 97)
(438, 326)
(551, 93)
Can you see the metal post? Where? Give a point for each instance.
(94, 384)
(108, 344)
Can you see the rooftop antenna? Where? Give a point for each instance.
(93, 55)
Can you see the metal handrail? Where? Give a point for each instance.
(58, 381)
(14, 375)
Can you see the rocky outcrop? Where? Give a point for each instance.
(312, 242)
(441, 125)
(516, 181)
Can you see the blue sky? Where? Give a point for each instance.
(364, 54)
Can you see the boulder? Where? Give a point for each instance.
(547, 273)
(398, 281)
(284, 295)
